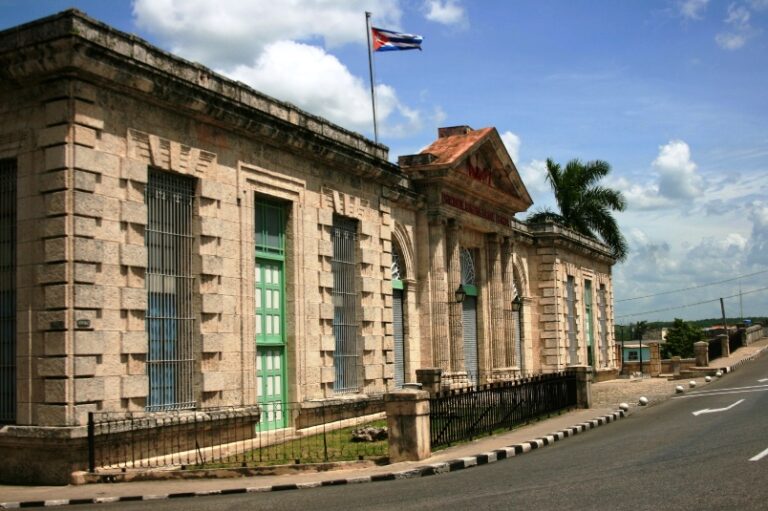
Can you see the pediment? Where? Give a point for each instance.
(473, 162)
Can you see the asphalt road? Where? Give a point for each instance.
(662, 458)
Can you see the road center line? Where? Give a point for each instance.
(760, 456)
(723, 392)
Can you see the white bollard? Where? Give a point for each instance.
(707, 379)
(642, 401)
(679, 389)
(692, 383)
(624, 406)
(719, 373)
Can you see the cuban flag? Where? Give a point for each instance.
(387, 40)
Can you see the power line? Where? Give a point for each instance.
(665, 309)
(739, 277)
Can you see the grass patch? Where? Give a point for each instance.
(331, 446)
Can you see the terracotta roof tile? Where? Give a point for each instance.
(449, 149)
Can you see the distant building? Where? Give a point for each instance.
(173, 240)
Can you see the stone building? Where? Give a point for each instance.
(173, 240)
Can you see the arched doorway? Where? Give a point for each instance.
(469, 315)
(398, 314)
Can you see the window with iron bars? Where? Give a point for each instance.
(570, 298)
(346, 357)
(170, 317)
(7, 291)
(602, 297)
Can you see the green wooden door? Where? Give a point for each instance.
(269, 307)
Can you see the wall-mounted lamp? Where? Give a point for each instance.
(460, 294)
(517, 304)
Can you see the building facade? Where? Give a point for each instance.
(173, 240)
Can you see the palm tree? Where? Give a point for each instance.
(585, 206)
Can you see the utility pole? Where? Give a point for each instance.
(722, 311)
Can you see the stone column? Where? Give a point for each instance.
(583, 386)
(724, 344)
(408, 425)
(507, 263)
(438, 293)
(654, 367)
(701, 352)
(676, 365)
(496, 285)
(454, 279)
(430, 379)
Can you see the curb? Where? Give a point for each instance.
(422, 471)
(731, 368)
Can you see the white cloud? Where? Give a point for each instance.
(730, 41)
(691, 9)
(740, 30)
(677, 172)
(283, 51)
(534, 176)
(324, 87)
(447, 12)
(758, 243)
(512, 143)
(738, 16)
(226, 33)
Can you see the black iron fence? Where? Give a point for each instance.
(464, 414)
(287, 433)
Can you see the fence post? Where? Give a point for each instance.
(583, 386)
(701, 352)
(430, 379)
(408, 425)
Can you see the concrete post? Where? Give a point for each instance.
(654, 367)
(583, 386)
(701, 352)
(430, 379)
(724, 344)
(676, 365)
(408, 425)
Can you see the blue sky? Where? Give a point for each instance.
(672, 93)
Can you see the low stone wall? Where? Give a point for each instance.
(605, 375)
(34, 455)
(37, 455)
(752, 334)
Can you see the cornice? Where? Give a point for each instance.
(72, 44)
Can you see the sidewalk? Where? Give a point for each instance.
(606, 398)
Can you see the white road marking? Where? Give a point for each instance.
(715, 410)
(763, 380)
(721, 392)
(760, 456)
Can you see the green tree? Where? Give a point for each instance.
(680, 339)
(640, 329)
(585, 206)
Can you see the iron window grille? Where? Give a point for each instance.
(7, 291)
(603, 325)
(170, 285)
(571, 310)
(346, 357)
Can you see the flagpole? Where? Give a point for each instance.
(370, 72)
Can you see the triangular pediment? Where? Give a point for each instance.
(473, 162)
